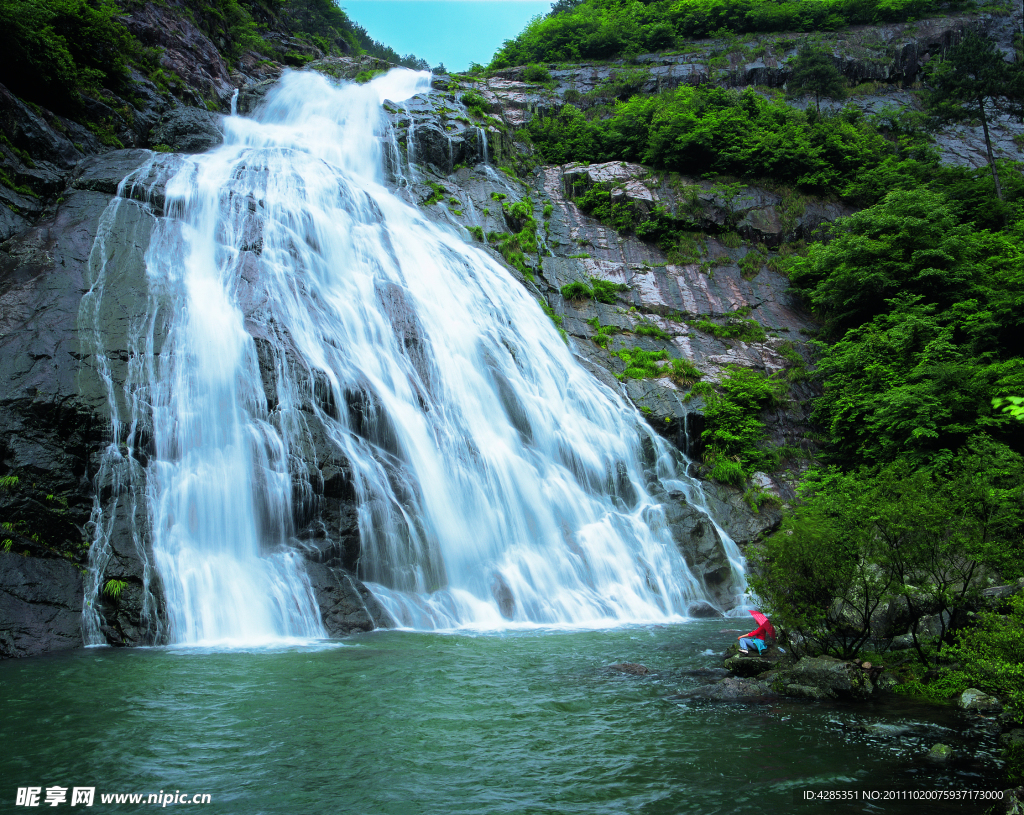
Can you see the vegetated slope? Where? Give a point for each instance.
(915, 504)
(79, 78)
(605, 29)
(60, 53)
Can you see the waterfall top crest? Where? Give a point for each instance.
(341, 124)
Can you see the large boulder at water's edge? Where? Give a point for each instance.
(827, 677)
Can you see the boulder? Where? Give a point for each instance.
(940, 753)
(703, 611)
(979, 701)
(730, 689)
(832, 678)
(811, 692)
(346, 605)
(188, 130)
(743, 665)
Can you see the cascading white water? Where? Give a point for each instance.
(497, 481)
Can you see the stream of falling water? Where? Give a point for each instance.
(497, 482)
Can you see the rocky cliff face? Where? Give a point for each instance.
(54, 407)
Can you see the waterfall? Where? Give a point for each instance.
(483, 143)
(497, 482)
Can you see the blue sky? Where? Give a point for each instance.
(455, 32)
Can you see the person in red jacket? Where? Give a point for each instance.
(760, 638)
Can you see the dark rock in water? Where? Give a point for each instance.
(702, 610)
(743, 665)
(503, 596)
(827, 678)
(812, 692)
(631, 668)
(708, 673)
(188, 130)
(731, 689)
(940, 753)
(40, 605)
(346, 605)
(884, 729)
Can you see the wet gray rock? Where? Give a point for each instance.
(105, 172)
(189, 130)
(346, 605)
(979, 701)
(828, 677)
(730, 689)
(40, 605)
(703, 611)
(748, 665)
(37, 153)
(703, 550)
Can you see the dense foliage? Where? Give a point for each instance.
(603, 29)
(918, 501)
(55, 52)
(926, 313)
(727, 132)
(870, 552)
(735, 441)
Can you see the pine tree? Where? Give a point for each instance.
(814, 71)
(973, 81)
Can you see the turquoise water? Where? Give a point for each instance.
(400, 722)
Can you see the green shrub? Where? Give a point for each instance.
(537, 74)
(113, 588)
(605, 290)
(437, 194)
(605, 29)
(728, 472)
(641, 364)
(577, 291)
(646, 329)
(602, 333)
(475, 104)
(57, 50)
(734, 431)
(734, 328)
(684, 372)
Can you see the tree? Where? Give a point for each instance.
(971, 82)
(871, 553)
(814, 71)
